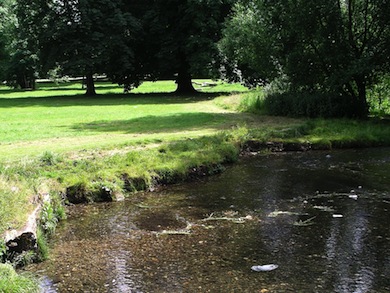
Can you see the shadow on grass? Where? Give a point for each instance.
(111, 99)
(156, 124)
(52, 87)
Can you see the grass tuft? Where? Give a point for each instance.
(11, 282)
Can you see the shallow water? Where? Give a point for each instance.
(323, 218)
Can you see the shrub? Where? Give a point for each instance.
(379, 97)
(309, 104)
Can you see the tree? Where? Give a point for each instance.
(23, 62)
(338, 47)
(180, 38)
(5, 16)
(247, 46)
(86, 37)
(18, 58)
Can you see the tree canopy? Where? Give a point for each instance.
(127, 41)
(179, 38)
(86, 37)
(333, 50)
(338, 47)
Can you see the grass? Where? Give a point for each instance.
(55, 139)
(34, 122)
(11, 282)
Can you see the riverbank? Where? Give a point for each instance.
(106, 148)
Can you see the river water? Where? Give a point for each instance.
(321, 217)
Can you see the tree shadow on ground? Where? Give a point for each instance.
(111, 99)
(157, 124)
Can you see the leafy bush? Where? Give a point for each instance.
(309, 104)
(379, 97)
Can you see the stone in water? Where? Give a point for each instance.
(264, 268)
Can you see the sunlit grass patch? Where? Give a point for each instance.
(15, 202)
(11, 282)
(42, 120)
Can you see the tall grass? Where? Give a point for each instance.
(15, 195)
(11, 282)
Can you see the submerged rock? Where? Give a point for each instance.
(264, 268)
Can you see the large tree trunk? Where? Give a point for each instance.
(363, 108)
(90, 85)
(184, 84)
(184, 80)
(358, 92)
(26, 83)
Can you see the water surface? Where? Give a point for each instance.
(323, 218)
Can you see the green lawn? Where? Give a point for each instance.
(61, 119)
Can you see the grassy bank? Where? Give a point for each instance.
(55, 140)
(11, 282)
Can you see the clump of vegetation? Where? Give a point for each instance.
(14, 201)
(308, 104)
(42, 243)
(11, 282)
(379, 97)
(250, 102)
(51, 213)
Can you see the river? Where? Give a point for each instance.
(321, 217)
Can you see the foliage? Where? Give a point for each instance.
(11, 282)
(7, 25)
(43, 248)
(86, 37)
(23, 259)
(52, 212)
(247, 46)
(379, 97)
(333, 47)
(251, 102)
(179, 38)
(49, 158)
(308, 104)
(23, 64)
(129, 42)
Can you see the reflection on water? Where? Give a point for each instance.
(322, 217)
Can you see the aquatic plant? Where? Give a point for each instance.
(43, 248)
